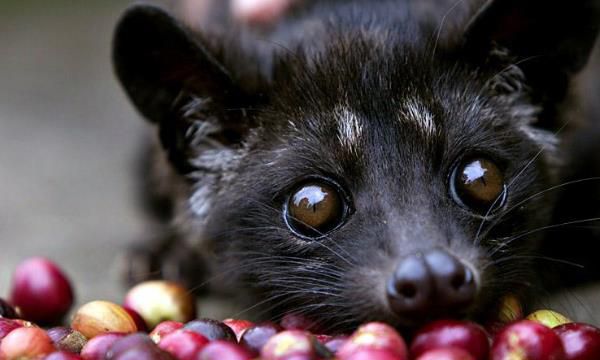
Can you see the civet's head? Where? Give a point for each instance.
(377, 175)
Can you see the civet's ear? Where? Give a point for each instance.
(175, 81)
(550, 40)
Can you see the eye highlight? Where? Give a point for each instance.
(478, 184)
(314, 209)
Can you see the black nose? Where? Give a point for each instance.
(433, 283)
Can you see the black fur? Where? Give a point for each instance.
(245, 116)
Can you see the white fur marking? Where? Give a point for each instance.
(214, 160)
(349, 128)
(419, 115)
(200, 201)
(546, 139)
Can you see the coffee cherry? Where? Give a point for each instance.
(580, 341)
(297, 322)
(548, 318)
(163, 329)
(451, 333)
(67, 339)
(98, 317)
(527, 340)
(335, 343)
(25, 343)
(157, 301)
(130, 341)
(211, 329)
(544, 335)
(24, 323)
(374, 336)
(296, 344)
(224, 350)
(63, 355)
(58, 333)
(6, 326)
(508, 311)
(96, 348)
(238, 326)
(446, 354)
(6, 310)
(41, 291)
(373, 354)
(255, 337)
(134, 347)
(322, 338)
(140, 323)
(183, 344)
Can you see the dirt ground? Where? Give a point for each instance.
(68, 139)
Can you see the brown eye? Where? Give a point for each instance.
(314, 209)
(479, 185)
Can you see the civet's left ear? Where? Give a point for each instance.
(550, 40)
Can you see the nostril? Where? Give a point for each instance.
(409, 291)
(431, 284)
(410, 287)
(454, 281)
(462, 279)
(458, 280)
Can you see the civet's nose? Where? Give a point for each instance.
(431, 283)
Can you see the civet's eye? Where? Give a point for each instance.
(314, 209)
(478, 184)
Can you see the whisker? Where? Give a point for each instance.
(287, 258)
(331, 270)
(307, 279)
(258, 304)
(335, 253)
(549, 227)
(514, 179)
(287, 298)
(441, 26)
(540, 193)
(533, 257)
(319, 243)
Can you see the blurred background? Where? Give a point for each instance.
(68, 141)
(68, 138)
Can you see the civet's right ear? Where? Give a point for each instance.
(168, 71)
(155, 58)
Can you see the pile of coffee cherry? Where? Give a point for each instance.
(157, 320)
